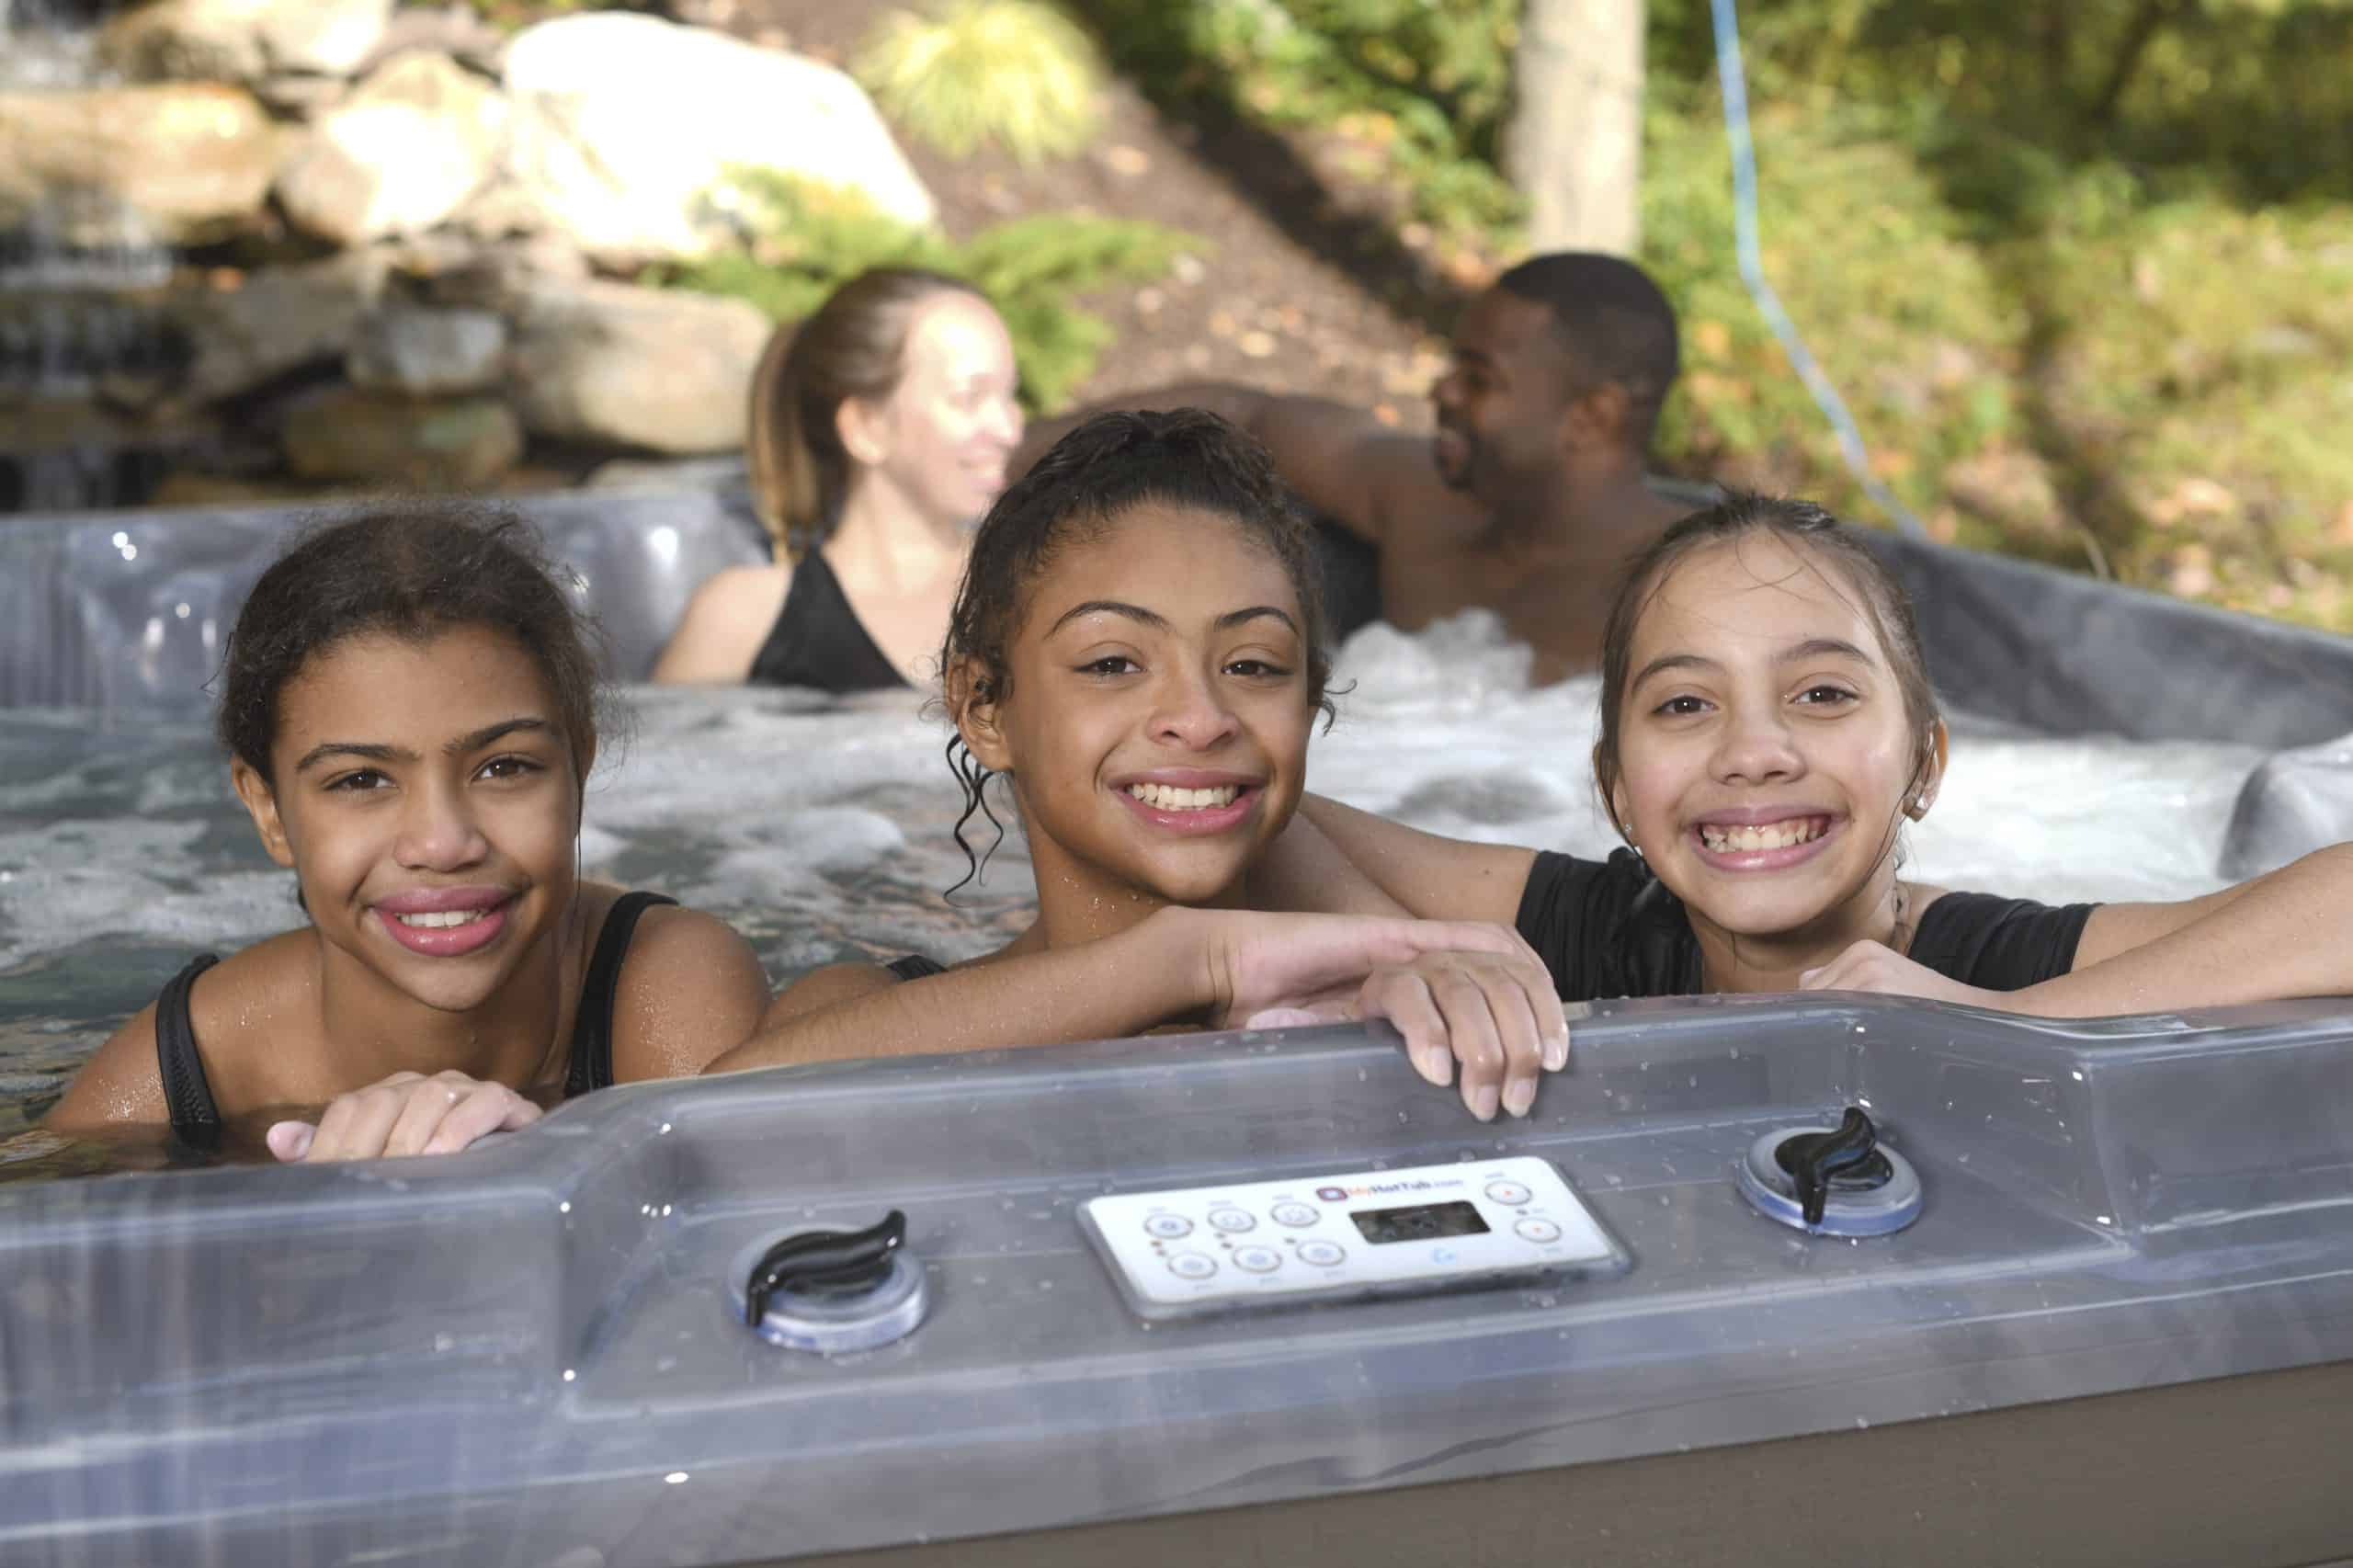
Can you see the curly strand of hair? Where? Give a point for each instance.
(972, 778)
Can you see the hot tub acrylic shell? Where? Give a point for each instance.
(531, 1349)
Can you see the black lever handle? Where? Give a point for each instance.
(823, 1261)
(1814, 1159)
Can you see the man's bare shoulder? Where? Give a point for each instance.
(1418, 510)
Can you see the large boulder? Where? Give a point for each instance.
(625, 125)
(241, 41)
(285, 319)
(386, 438)
(401, 153)
(193, 161)
(425, 352)
(607, 362)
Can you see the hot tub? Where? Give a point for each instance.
(2119, 1330)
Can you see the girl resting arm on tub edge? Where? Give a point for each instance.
(410, 706)
(1138, 652)
(1767, 728)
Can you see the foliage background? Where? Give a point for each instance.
(2084, 271)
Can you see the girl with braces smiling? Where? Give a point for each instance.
(1766, 727)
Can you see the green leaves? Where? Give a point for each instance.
(1012, 73)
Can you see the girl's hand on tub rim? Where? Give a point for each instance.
(1457, 991)
(407, 1113)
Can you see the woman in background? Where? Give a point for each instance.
(879, 431)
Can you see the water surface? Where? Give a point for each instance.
(823, 830)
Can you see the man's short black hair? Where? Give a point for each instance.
(1613, 320)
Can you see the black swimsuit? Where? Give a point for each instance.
(1611, 928)
(197, 1121)
(819, 641)
(915, 966)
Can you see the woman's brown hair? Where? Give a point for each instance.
(855, 346)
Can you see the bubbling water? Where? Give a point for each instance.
(824, 831)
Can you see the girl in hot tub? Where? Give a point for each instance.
(1768, 726)
(1767, 729)
(409, 704)
(1137, 657)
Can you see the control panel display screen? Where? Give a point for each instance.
(1424, 1223)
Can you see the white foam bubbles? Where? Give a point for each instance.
(825, 830)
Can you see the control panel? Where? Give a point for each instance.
(1345, 1234)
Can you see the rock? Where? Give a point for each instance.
(721, 473)
(278, 321)
(239, 41)
(626, 125)
(413, 142)
(428, 352)
(189, 487)
(645, 368)
(352, 434)
(458, 31)
(302, 98)
(446, 268)
(194, 163)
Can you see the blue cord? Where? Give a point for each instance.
(1752, 270)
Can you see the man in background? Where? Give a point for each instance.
(1531, 491)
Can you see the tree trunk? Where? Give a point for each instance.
(1575, 145)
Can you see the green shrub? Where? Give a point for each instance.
(1420, 84)
(1016, 74)
(804, 240)
(2044, 357)
(2083, 272)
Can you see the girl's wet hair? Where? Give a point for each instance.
(1081, 489)
(854, 346)
(1826, 545)
(411, 570)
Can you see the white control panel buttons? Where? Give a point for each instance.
(1334, 1235)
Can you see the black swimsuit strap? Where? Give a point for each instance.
(196, 1121)
(818, 639)
(592, 1030)
(915, 966)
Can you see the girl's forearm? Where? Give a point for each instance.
(2288, 934)
(1119, 986)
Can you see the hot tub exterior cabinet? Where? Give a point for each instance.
(2116, 1333)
